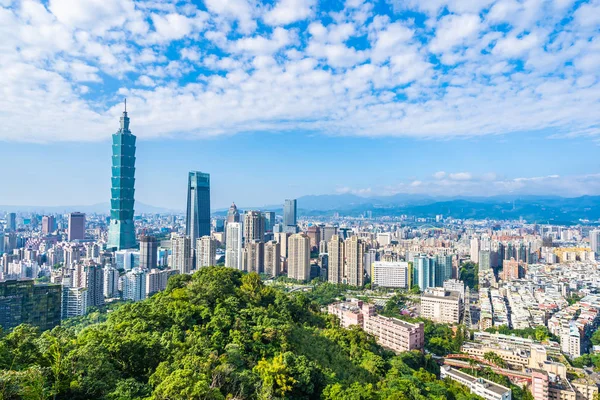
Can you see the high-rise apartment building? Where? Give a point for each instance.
(475, 250)
(282, 239)
(485, 260)
(156, 281)
(48, 224)
(206, 251)
(354, 251)
(74, 301)
(314, 233)
(148, 252)
(197, 223)
(233, 246)
(134, 285)
(327, 232)
(76, 229)
(299, 257)
(253, 257)
(335, 250)
(289, 216)
(272, 261)
(111, 282)
(181, 253)
(254, 226)
(121, 231)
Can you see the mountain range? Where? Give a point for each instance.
(541, 209)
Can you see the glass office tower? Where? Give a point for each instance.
(197, 223)
(121, 232)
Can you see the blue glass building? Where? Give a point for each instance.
(197, 222)
(121, 231)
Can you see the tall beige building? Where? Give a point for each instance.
(206, 251)
(354, 251)
(282, 239)
(272, 264)
(181, 254)
(254, 226)
(441, 306)
(299, 257)
(253, 257)
(335, 250)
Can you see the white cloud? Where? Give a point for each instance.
(288, 11)
(237, 10)
(454, 30)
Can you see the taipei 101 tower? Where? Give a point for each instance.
(121, 232)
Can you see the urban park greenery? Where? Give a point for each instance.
(217, 334)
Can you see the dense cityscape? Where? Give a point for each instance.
(500, 305)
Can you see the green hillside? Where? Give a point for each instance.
(218, 334)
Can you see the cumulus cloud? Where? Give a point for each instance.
(462, 68)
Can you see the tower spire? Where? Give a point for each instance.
(125, 104)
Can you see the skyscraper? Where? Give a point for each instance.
(197, 223)
(299, 257)
(76, 230)
(269, 217)
(289, 216)
(48, 224)
(254, 226)
(148, 252)
(121, 231)
(233, 247)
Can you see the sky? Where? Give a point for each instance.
(284, 98)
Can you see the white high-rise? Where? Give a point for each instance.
(181, 252)
(392, 274)
(134, 285)
(206, 250)
(233, 246)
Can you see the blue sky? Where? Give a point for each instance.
(283, 98)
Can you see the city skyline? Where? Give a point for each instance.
(372, 98)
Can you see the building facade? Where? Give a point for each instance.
(197, 222)
(121, 231)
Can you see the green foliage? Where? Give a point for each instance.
(394, 305)
(219, 335)
(469, 274)
(539, 333)
(574, 298)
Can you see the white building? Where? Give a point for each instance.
(181, 250)
(441, 306)
(393, 274)
(111, 282)
(233, 245)
(134, 285)
(479, 386)
(74, 301)
(206, 251)
(299, 257)
(156, 281)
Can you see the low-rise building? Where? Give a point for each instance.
(440, 305)
(479, 386)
